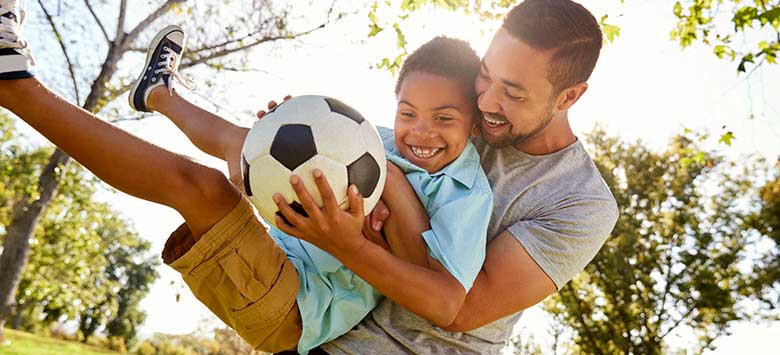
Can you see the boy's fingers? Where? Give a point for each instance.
(260, 114)
(294, 219)
(272, 104)
(328, 199)
(305, 197)
(355, 202)
(287, 97)
(288, 229)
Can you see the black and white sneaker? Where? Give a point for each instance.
(162, 67)
(16, 60)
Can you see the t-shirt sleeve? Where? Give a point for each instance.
(458, 236)
(563, 240)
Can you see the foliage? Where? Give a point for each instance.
(723, 25)
(673, 262)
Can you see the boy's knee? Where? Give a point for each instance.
(203, 197)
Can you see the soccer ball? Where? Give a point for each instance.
(306, 133)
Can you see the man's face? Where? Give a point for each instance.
(514, 94)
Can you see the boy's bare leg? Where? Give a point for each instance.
(210, 133)
(202, 195)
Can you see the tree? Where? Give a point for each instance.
(258, 22)
(673, 260)
(718, 23)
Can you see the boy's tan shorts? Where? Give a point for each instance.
(242, 276)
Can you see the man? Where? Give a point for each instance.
(552, 209)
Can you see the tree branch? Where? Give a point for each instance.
(130, 37)
(64, 50)
(120, 23)
(97, 19)
(223, 52)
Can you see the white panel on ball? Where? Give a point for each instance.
(335, 172)
(263, 132)
(268, 176)
(332, 133)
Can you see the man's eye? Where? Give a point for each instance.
(512, 98)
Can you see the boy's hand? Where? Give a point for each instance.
(271, 105)
(329, 227)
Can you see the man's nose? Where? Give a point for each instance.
(487, 101)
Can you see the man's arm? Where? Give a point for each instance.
(510, 281)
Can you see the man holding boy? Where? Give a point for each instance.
(552, 210)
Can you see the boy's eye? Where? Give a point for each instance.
(444, 118)
(407, 114)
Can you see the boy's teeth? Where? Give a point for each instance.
(424, 152)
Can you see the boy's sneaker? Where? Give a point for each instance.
(16, 60)
(162, 67)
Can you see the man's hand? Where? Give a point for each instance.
(328, 227)
(271, 105)
(376, 235)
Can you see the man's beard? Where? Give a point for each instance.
(515, 140)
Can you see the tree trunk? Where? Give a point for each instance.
(17, 240)
(18, 312)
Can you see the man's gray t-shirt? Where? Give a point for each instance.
(557, 206)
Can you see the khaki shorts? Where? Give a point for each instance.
(242, 276)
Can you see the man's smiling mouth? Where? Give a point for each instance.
(493, 122)
(424, 152)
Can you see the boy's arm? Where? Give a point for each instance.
(409, 220)
(202, 195)
(434, 293)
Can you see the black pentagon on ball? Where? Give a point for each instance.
(364, 173)
(297, 208)
(344, 109)
(245, 165)
(293, 145)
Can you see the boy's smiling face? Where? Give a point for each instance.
(435, 118)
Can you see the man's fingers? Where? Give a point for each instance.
(328, 199)
(355, 202)
(379, 215)
(305, 197)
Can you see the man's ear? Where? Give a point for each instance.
(569, 96)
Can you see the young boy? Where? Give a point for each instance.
(224, 252)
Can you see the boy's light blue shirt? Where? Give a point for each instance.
(332, 299)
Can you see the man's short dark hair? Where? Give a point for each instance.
(446, 57)
(564, 27)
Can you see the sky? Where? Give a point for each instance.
(644, 87)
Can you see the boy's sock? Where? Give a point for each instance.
(16, 60)
(162, 65)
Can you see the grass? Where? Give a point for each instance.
(29, 344)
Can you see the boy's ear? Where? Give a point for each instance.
(476, 130)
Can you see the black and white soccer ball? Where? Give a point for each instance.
(306, 133)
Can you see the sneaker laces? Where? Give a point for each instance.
(10, 32)
(170, 66)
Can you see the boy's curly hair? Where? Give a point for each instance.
(446, 57)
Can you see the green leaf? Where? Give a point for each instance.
(610, 31)
(726, 138)
(744, 17)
